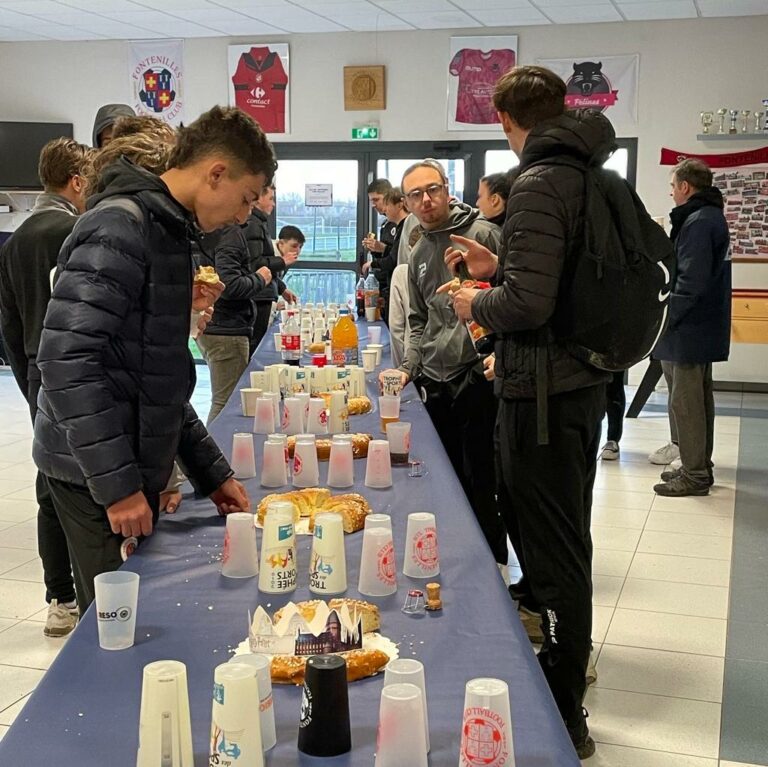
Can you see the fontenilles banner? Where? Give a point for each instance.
(728, 160)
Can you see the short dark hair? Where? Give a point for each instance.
(394, 195)
(379, 186)
(230, 132)
(530, 95)
(60, 160)
(498, 183)
(427, 162)
(696, 172)
(289, 232)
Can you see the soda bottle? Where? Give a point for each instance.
(344, 340)
(372, 293)
(360, 297)
(290, 340)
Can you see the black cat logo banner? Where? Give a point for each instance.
(605, 83)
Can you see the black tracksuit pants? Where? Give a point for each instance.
(615, 405)
(549, 522)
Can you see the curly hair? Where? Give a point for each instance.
(127, 126)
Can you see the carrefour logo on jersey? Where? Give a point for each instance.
(258, 99)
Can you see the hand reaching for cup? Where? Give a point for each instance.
(478, 260)
(392, 374)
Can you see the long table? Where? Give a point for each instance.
(85, 710)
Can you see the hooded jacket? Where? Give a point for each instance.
(440, 347)
(106, 116)
(544, 228)
(263, 251)
(117, 373)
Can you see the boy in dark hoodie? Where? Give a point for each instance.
(105, 121)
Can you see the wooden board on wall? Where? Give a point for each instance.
(364, 88)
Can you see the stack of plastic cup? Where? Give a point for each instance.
(389, 410)
(243, 456)
(422, 559)
(264, 420)
(248, 399)
(401, 738)
(274, 472)
(274, 397)
(486, 730)
(379, 349)
(378, 469)
(341, 471)
(293, 416)
(165, 727)
(241, 557)
(317, 417)
(409, 671)
(259, 380)
(277, 574)
(260, 664)
(306, 472)
(235, 723)
(378, 569)
(328, 562)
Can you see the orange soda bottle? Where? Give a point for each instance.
(344, 340)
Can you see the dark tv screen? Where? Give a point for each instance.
(20, 145)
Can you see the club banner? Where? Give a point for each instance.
(157, 79)
(727, 160)
(605, 83)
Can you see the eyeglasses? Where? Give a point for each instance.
(434, 191)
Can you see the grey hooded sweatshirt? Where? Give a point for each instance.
(108, 115)
(440, 347)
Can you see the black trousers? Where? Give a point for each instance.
(463, 412)
(260, 325)
(51, 541)
(615, 405)
(551, 486)
(93, 547)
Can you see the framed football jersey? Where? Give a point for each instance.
(475, 66)
(259, 83)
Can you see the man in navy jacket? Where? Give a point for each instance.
(699, 330)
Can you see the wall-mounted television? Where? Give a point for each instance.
(20, 145)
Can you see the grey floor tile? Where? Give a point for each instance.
(744, 735)
(747, 641)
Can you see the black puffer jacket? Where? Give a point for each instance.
(117, 375)
(261, 247)
(544, 227)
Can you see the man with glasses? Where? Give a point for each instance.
(441, 360)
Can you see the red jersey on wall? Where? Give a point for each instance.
(478, 72)
(260, 87)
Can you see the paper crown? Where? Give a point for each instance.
(329, 631)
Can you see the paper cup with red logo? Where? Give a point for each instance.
(378, 469)
(378, 568)
(243, 456)
(401, 741)
(117, 597)
(422, 558)
(409, 671)
(277, 571)
(293, 416)
(306, 472)
(260, 665)
(240, 558)
(486, 732)
(317, 417)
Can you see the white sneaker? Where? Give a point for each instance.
(61, 619)
(665, 455)
(610, 451)
(676, 464)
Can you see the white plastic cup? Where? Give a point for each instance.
(274, 397)
(306, 472)
(328, 562)
(317, 381)
(248, 399)
(261, 669)
(389, 410)
(258, 380)
(277, 338)
(369, 360)
(243, 456)
(317, 417)
(304, 398)
(240, 558)
(374, 334)
(401, 740)
(399, 438)
(274, 471)
(277, 573)
(358, 382)
(409, 671)
(341, 464)
(283, 440)
(378, 469)
(235, 721)
(379, 349)
(487, 724)
(339, 420)
(165, 726)
(117, 597)
(421, 558)
(293, 416)
(378, 568)
(272, 373)
(264, 418)
(378, 520)
(370, 313)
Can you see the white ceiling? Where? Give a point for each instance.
(140, 19)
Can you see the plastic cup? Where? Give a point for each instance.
(306, 472)
(277, 574)
(357, 382)
(293, 416)
(258, 380)
(391, 383)
(401, 738)
(389, 410)
(274, 397)
(324, 728)
(374, 334)
(235, 722)
(328, 562)
(379, 349)
(304, 398)
(278, 341)
(370, 313)
(117, 596)
(339, 411)
(378, 520)
(369, 360)
(409, 671)
(317, 417)
(318, 380)
(298, 381)
(274, 471)
(378, 569)
(283, 440)
(399, 438)
(486, 733)
(165, 727)
(421, 559)
(248, 399)
(264, 418)
(272, 373)
(241, 556)
(341, 464)
(378, 469)
(260, 666)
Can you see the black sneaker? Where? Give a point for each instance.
(668, 476)
(581, 739)
(681, 486)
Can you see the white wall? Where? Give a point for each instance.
(685, 67)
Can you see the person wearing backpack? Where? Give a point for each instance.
(699, 331)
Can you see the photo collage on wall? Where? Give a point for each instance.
(746, 209)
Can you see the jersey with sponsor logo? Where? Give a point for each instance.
(260, 87)
(478, 72)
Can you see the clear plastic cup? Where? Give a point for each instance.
(409, 671)
(378, 568)
(378, 469)
(264, 419)
(341, 464)
(399, 438)
(421, 559)
(306, 471)
(293, 416)
(274, 397)
(486, 731)
(274, 472)
(328, 562)
(379, 349)
(243, 456)
(117, 597)
(401, 741)
(389, 410)
(317, 417)
(240, 558)
(374, 334)
(261, 668)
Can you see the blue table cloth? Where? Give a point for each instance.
(85, 710)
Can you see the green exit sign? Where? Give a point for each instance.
(368, 133)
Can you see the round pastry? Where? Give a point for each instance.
(317, 348)
(352, 508)
(323, 446)
(360, 405)
(289, 669)
(207, 274)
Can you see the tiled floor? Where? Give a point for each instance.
(662, 577)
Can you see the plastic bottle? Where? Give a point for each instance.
(372, 293)
(290, 340)
(344, 340)
(360, 297)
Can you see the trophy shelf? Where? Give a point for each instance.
(733, 136)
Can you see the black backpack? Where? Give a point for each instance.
(613, 300)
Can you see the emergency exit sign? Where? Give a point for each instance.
(366, 133)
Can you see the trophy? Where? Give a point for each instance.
(745, 113)
(734, 115)
(721, 113)
(758, 121)
(706, 121)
